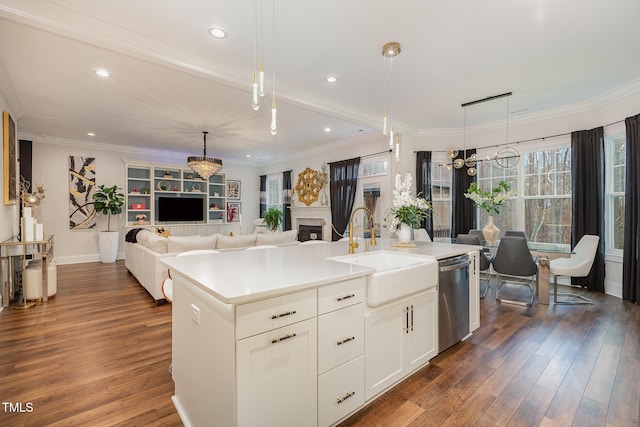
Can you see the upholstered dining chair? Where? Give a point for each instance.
(514, 261)
(478, 233)
(167, 284)
(485, 258)
(517, 233)
(421, 235)
(577, 265)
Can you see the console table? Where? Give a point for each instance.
(13, 250)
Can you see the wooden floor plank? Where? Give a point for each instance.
(98, 353)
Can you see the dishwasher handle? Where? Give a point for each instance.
(452, 267)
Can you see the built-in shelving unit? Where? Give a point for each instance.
(145, 183)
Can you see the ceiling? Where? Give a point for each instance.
(170, 80)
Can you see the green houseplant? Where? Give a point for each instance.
(108, 201)
(272, 218)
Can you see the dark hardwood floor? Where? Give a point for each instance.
(98, 353)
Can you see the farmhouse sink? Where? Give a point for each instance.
(396, 275)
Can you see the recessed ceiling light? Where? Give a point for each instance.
(102, 72)
(91, 134)
(248, 155)
(327, 129)
(331, 79)
(217, 32)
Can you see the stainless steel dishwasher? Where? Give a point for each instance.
(453, 301)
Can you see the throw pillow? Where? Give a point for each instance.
(242, 241)
(191, 243)
(288, 236)
(152, 241)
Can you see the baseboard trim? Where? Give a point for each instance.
(80, 259)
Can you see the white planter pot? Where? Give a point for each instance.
(404, 233)
(108, 244)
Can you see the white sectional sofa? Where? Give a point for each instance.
(142, 258)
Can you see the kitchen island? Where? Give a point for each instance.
(285, 336)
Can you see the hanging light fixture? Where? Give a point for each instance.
(274, 110)
(258, 59)
(204, 166)
(390, 50)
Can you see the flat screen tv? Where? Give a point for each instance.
(180, 209)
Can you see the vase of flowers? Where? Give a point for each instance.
(407, 210)
(141, 218)
(490, 201)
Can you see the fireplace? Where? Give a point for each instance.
(309, 232)
(312, 223)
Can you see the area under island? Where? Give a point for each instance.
(305, 335)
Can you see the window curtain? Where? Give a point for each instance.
(343, 184)
(587, 180)
(630, 270)
(423, 185)
(263, 194)
(286, 199)
(463, 216)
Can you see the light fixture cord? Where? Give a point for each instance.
(205, 144)
(507, 138)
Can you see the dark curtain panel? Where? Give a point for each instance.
(263, 194)
(286, 199)
(343, 183)
(423, 185)
(587, 180)
(630, 270)
(463, 216)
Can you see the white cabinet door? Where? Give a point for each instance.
(474, 290)
(277, 377)
(420, 341)
(399, 339)
(384, 332)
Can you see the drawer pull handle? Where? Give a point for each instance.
(345, 397)
(340, 342)
(286, 337)
(345, 297)
(288, 313)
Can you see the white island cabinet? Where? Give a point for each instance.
(400, 338)
(285, 336)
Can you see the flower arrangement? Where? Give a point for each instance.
(490, 201)
(407, 208)
(141, 217)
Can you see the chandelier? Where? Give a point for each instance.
(203, 165)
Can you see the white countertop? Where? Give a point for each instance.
(243, 276)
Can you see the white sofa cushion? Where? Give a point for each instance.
(242, 241)
(288, 236)
(152, 241)
(191, 243)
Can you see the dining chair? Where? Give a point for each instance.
(577, 265)
(167, 284)
(485, 258)
(517, 233)
(421, 235)
(514, 261)
(478, 233)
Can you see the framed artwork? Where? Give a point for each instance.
(233, 189)
(234, 210)
(82, 186)
(9, 154)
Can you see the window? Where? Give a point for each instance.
(441, 200)
(274, 191)
(615, 154)
(489, 176)
(547, 195)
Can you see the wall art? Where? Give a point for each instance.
(9, 154)
(82, 186)
(233, 189)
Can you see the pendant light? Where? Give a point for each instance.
(274, 110)
(257, 88)
(204, 166)
(390, 50)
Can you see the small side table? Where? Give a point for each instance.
(13, 249)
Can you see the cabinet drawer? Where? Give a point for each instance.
(340, 336)
(261, 316)
(339, 295)
(340, 392)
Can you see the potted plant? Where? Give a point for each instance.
(272, 218)
(108, 201)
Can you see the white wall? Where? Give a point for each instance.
(50, 167)
(8, 214)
